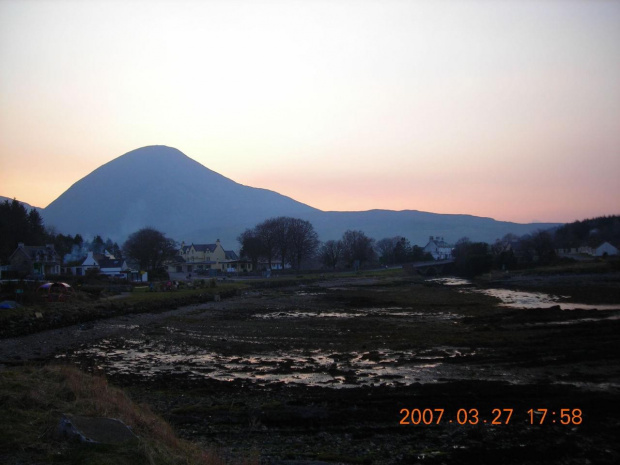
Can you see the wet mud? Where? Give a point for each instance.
(358, 370)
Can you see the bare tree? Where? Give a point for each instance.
(282, 230)
(386, 247)
(266, 232)
(357, 248)
(292, 240)
(251, 246)
(331, 253)
(303, 240)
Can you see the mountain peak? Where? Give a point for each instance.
(155, 151)
(153, 154)
(161, 187)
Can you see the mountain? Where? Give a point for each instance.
(161, 187)
(26, 206)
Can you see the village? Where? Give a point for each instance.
(42, 262)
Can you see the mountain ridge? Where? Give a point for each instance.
(161, 187)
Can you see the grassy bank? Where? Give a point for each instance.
(34, 398)
(82, 308)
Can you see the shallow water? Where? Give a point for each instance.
(365, 312)
(523, 299)
(307, 367)
(384, 367)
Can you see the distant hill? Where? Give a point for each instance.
(592, 232)
(27, 206)
(161, 187)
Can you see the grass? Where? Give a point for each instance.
(600, 265)
(142, 296)
(82, 308)
(33, 399)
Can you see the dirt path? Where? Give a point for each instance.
(43, 345)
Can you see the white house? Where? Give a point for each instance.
(605, 249)
(438, 248)
(105, 264)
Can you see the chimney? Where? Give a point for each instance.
(20, 245)
(430, 238)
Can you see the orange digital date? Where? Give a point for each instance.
(434, 416)
(499, 416)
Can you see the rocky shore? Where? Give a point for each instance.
(330, 372)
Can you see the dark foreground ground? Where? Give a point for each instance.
(330, 372)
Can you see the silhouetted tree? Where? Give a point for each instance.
(98, 245)
(292, 240)
(471, 258)
(19, 225)
(331, 253)
(63, 244)
(402, 251)
(540, 247)
(267, 233)
(251, 246)
(303, 240)
(357, 248)
(385, 247)
(282, 229)
(503, 254)
(417, 254)
(150, 248)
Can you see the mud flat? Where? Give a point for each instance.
(334, 371)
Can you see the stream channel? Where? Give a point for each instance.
(260, 347)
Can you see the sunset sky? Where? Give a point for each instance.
(506, 109)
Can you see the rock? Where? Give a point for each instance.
(94, 430)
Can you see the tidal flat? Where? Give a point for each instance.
(394, 370)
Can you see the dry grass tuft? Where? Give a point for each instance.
(33, 398)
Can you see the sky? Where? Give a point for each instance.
(503, 109)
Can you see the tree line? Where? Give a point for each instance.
(536, 249)
(17, 224)
(294, 241)
(289, 240)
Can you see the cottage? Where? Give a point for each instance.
(438, 248)
(105, 264)
(605, 249)
(35, 261)
(275, 265)
(567, 251)
(207, 259)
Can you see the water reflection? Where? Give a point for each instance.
(365, 312)
(522, 299)
(309, 367)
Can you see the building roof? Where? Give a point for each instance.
(199, 248)
(231, 255)
(438, 242)
(606, 242)
(110, 263)
(44, 253)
